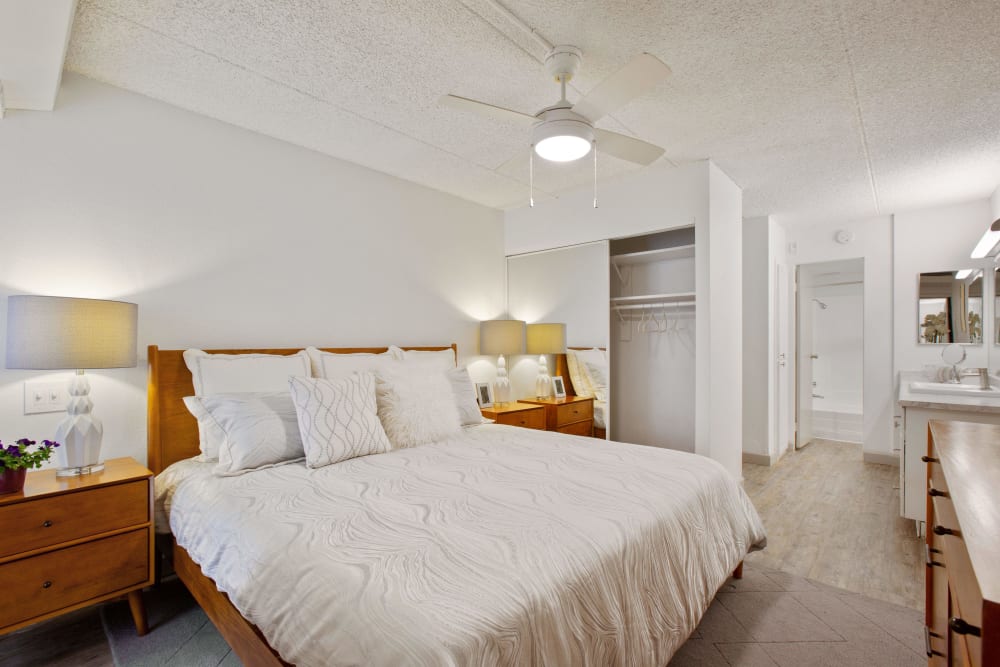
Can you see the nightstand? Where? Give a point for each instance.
(573, 414)
(70, 542)
(517, 414)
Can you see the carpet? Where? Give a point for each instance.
(766, 619)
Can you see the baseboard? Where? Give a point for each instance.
(756, 459)
(884, 459)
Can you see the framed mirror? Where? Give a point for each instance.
(950, 307)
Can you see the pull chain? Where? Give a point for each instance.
(595, 171)
(531, 176)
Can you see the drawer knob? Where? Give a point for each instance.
(932, 492)
(960, 627)
(46, 524)
(941, 530)
(47, 584)
(523, 422)
(928, 459)
(927, 642)
(927, 556)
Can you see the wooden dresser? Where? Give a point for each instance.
(517, 413)
(573, 414)
(963, 544)
(69, 542)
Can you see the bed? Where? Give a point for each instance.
(498, 546)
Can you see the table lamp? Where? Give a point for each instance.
(64, 333)
(501, 337)
(543, 339)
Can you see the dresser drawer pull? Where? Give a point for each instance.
(523, 422)
(960, 627)
(932, 492)
(47, 584)
(928, 459)
(927, 642)
(46, 524)
(941, 530)
(927, 556)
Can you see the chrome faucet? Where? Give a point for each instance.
(982, 373)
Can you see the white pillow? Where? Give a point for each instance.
(416, 407)
(578, 375)
(333, 366)
(431, 360)
(242, 373)
(337, 418)
(598, 373)
(465, 396)
(258, 430)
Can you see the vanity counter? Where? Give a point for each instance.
(911, 399)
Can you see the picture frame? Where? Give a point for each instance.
(484, 394)
(558, 386)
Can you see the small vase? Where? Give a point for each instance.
(12, 481)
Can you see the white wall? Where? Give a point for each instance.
(568, 285)
(872, 242)
(226, 238)
(757, 335)
(936, 239)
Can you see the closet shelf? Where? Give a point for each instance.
(645, 299)
(647, 256)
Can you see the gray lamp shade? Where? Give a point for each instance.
(546, 338)
(501, 337)
(61, 333)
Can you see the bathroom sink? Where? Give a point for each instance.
(953, 389)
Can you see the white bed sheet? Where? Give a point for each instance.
(500, 546)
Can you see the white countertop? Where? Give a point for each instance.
(909, 399)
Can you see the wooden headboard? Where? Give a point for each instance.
(172, 432)
(562, 368)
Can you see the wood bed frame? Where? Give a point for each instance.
(172, 436)
(562, 369)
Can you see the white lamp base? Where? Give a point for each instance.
(80, 434)
(501, 386)
(543, 383)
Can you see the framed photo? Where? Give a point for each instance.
(558, 386)
(484, 394)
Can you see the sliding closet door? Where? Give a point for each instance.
(567, 285)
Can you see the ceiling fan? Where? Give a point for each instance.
(565, 131)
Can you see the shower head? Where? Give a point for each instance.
(821, 304)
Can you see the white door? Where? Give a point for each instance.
(803, 367)
(782, 396)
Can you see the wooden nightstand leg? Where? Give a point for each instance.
(738, 572)
(138, 609)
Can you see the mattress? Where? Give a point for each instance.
(501, 546)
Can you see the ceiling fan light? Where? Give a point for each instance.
(562, 140)
(562, 148)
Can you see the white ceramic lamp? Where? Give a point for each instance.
(543, 339)
(64, 333)
(501, 337)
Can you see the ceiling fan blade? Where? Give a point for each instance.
(488, 110)
(641, 74)
(627, 148)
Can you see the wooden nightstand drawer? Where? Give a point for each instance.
(580, 428)
(57, 519)
(523, 418)
(57, 579)
(577, 411)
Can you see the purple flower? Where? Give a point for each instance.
(24, 442)
(49, 443)
(14, 450)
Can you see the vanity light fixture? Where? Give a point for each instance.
(987, 246)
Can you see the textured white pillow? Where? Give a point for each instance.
(465, 396)
(598, 372)
(334, 366)
(431, 360)
(338, 418)
(258, 430)
(416, 407)
(578, 375)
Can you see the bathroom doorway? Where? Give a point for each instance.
(829, 331)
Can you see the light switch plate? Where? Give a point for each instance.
(45, 397)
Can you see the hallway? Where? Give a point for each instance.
(833, 518)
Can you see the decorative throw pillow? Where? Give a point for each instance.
(335, 366)
(416, 407)
(598, 373)
(578, 375)
(338, 418)
(431, 360)
(258, 430)
(465, 396)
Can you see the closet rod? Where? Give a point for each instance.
(651, 306)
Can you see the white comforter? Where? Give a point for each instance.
(502, 546)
